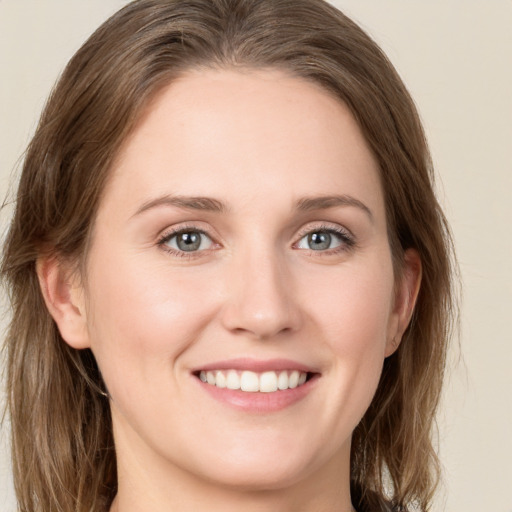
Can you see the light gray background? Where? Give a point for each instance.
(456, 58)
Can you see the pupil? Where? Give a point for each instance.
(320, 240)
(189, 241)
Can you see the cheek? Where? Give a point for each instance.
(355, 316)
(355, 306)
(142, 318)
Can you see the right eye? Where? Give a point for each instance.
(186, 241)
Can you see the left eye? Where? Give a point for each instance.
(188, 241)
(321, 240)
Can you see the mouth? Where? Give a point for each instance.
(257, 386)
(247, 381)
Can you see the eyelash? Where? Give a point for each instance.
(168, 235)
(347, 240)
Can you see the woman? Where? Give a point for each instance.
(230, 277)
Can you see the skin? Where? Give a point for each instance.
(258, 141)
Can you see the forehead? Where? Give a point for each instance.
(212, 132)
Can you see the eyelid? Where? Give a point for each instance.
(171, 232)
(348, 240)
(324, 226)
(347, 237)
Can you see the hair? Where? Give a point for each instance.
(62, 445)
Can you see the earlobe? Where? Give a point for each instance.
(63, 295)
(405, 299)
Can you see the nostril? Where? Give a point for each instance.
(261, 305)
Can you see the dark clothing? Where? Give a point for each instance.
(370, 502)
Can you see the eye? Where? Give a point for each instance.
(325, 239)
(190, 240)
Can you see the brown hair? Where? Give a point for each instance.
(63, 452)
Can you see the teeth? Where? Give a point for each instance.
(252, 382)
(294, 379)
(220, 380)
(249, 382)
(282, 381)
(233, 380)
(268, 382)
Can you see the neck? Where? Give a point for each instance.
(162, 488)
(249, 502)
(149, 481)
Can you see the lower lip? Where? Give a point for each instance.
(258, 402)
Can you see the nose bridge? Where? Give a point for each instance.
(260, 299)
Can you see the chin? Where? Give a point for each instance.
(267, 467)
(257, 479)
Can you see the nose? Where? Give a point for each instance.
(260, 298)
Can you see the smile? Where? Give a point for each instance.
(257, 386)
(254, 382)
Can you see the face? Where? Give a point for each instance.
(241, 242)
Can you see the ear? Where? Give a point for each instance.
(64, 298)
(406, 293)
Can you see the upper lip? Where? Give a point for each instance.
(256, 365)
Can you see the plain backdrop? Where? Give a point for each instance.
(456, 58)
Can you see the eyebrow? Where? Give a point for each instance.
(307, 204)
(210, 204)
(207, 204)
